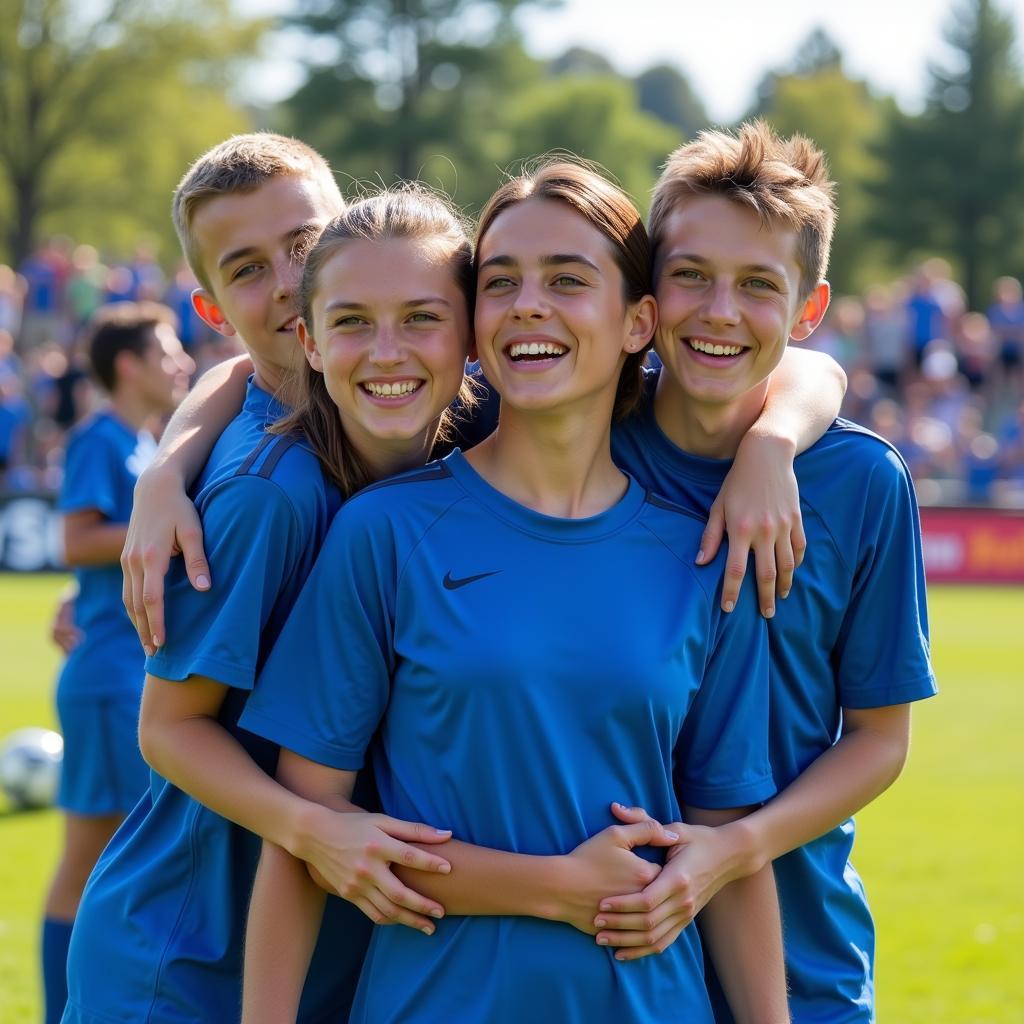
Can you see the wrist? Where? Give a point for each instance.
(547, 899)
(161, 476)
(298, 828)
(764, 436)
(747, 853)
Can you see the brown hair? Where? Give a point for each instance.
(782, 180)
(614, 214)
(411, 212)
(242, 164)
(123, 327)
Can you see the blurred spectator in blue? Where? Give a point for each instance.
(15, 424)
(926, 320)
(45, 272)
(120, 285)
(979, 455)
(148, 279)
(1011, 441)
(950, 296)
(1006, 315)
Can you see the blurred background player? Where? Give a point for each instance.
(138, 360)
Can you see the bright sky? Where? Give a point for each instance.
(725, 48)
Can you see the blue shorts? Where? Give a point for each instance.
(103, 771)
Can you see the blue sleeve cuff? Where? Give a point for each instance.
(178, 669)
(715, 798)
(284, 734)
(884, 696)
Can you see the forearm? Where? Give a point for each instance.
(284, 919)
(98, 543)
(566, 888)
(491, 882)
(805, 394)
(197, 423)
(200, 757)
(743, 932)
(847, 777)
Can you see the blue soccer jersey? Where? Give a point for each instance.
(523, 671)
(159, 933)
(104, 458)
(852, 633)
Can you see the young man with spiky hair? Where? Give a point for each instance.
(741, 226)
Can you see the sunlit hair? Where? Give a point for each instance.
(784, 181)
(410, 212)
(242, 164)
(123, 327)
(614, 214)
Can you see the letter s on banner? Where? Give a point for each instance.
(30, 534)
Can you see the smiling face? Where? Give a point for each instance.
(252, 245)
(728, 290)
(552, 326)
(390, 334)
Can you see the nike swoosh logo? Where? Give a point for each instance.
(453, 584)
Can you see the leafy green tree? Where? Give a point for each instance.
(953, 177)
(578, 60)
(101, 108)
(394, 81)
(460, 139)
(818, 52)
(596, 118)
(666, 92)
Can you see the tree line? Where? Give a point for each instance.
(103, 105)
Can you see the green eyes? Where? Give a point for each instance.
(562, 281)
(756, 283)
(353, 320)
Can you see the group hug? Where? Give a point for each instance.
(460, 702)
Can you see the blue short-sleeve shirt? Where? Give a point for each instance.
(519, 673)
(852, 633)
(104, 458)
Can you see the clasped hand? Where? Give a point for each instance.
(353, 855)
(649, 919)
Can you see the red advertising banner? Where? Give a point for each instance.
(973, 545)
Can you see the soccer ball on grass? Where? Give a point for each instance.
(30, 762)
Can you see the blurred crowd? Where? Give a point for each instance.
(941, 382)
(45, 387)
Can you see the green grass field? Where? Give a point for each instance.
(940, 853)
